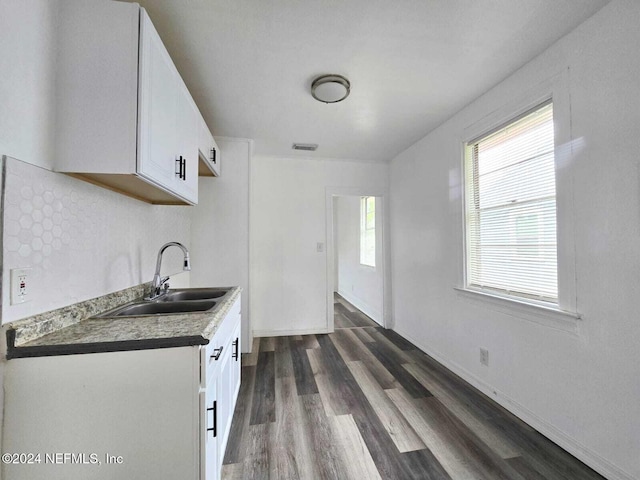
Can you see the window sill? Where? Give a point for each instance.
(533, 312)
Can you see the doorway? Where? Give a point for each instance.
(358, 285)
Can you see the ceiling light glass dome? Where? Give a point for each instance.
(330, 88)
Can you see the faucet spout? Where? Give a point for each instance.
(158, 281)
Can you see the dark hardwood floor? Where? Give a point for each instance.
(363, 403)
(347, 316)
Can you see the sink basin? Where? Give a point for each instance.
(179, 295)
(175, 301)
(161, 308)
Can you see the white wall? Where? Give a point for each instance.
(80, 241)
(288, 218)
(27, 60)
(359, 284)
(220, 227)
(581, 390)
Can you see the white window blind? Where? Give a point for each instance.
(368, 231)
(511, 209)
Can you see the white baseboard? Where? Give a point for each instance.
(568, 443)
(283, 333)
(363, 306)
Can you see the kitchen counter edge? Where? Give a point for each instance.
(206, 330)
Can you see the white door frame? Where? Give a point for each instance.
(383, 194)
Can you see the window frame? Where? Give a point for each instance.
(469, 162)
(564, 315)
(363, 230)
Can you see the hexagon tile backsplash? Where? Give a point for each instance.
(81, 241)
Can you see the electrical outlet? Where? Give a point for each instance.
(484, 356)
(20, 285)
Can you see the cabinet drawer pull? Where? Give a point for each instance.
(235, 346)
(214, 409)
(184, 169)
(213, 155)
(216, 353)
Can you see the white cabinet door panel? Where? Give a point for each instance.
(236, 359)
(209, 443)
(158, 109)
(187, 128)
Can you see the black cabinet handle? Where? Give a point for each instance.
(235, 346)
(182, 168)
(216, 353)
(213, 155)
(214, 409)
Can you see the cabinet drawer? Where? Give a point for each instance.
(220, 345)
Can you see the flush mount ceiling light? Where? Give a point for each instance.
(330, 88)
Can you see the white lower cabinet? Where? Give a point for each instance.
(221, 389)
(161, 413)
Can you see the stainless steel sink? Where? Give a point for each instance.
(173, 302)
(183, 294)
(160, 308)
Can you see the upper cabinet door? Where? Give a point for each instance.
(158, 110)
(187, 129)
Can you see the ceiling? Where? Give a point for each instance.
(412, 64)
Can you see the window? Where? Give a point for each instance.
(510, 202)
(368, 231)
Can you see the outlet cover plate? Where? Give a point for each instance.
(484, 356)
(20, 285)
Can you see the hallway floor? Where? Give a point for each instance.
(363, 403)
(347, 316)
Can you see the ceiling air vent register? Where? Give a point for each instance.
(309, 147)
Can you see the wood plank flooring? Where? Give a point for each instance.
(364, 403)
(348, 316)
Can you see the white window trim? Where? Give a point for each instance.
(563, 316)
(548, 315)
(366, 266)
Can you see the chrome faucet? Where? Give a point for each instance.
(159, 281)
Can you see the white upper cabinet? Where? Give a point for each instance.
(210, 157)
(124, 117)
(168, 120)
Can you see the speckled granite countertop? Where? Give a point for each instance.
(72, 330)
